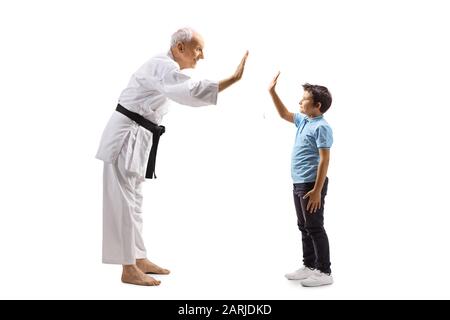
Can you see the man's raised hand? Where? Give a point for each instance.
(240, 69)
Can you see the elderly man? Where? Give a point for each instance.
(129, 144)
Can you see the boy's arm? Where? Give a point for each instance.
(282, 111)
(315, 194)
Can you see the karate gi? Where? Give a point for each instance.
(125, 148)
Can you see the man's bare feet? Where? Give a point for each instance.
(147, 267)
(133, 275)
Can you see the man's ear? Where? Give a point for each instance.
(180, 47)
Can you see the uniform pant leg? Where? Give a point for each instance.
(141, 252)
(122, 215)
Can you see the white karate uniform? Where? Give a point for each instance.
(125, 147)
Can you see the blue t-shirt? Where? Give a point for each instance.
(312, 135)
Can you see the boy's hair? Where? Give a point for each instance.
(320, 94)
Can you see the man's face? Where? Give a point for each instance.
(191, 52)
(307, 105)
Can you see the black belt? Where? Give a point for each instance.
(156, 130)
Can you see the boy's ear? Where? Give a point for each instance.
(318, 105)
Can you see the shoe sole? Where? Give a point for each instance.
(318, 285)
(296, 278)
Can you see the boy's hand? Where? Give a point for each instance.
(314, 200)
(274, 82)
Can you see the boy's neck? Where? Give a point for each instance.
(315, 115)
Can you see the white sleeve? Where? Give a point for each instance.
(181, 88)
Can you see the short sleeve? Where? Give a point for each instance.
(324, 137)
(298, 118)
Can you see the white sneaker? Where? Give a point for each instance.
(317, 279)
(300, 274)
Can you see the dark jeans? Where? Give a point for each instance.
(316, 251)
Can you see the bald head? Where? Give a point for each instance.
(186, 46)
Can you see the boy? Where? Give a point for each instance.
(310, 158)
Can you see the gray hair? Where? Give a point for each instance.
(183, 35)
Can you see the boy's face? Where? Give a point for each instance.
(307, 105)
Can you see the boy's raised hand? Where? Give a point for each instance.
(274, 82)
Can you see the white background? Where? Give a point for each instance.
(221, 215)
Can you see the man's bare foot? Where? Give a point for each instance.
(133, 275)
(147, 266)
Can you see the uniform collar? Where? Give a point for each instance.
(169, 53)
